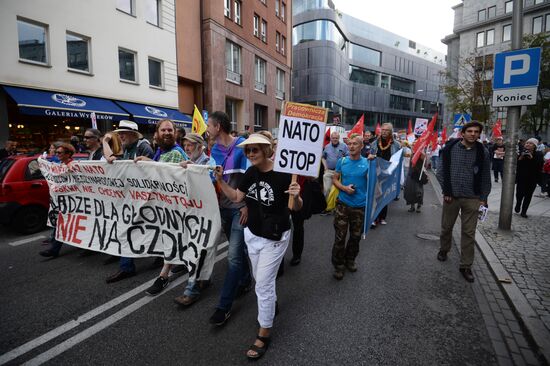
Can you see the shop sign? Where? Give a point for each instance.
(75, 114)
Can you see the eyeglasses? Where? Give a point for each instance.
(59, 152)
(249, 150)
(89, 137)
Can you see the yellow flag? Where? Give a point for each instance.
(198, 123)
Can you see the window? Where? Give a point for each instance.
(256, 26)
(277, 41)
(283, 10)
(538, 2)
(227, 8)
(127, 65)
(231, 110)
(152, 12)
(364, 76)
(237, 12)
(489, 62)
(233, 62)
(259, 75)
(33, 39)
(283, 44)
(490, 37)
(364, 54)
(401, 103)
(280, 84)
(277, 8)
(78, 48)
(480, 39)
(506, 32)
(412, 45)
(548, 22)
(508, 6)
(259, 113)
(492, 12)
(264, 30)
(126, 6)
(155, 73)
(318, 30)
(400, 84)
(481, 15)
(537, 25)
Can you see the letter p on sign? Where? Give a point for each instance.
(513, 60)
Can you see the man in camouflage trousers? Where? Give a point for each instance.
(351, 179)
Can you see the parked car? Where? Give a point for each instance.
(24, 193)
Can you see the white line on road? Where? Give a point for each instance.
(27, 240)
(54, 333)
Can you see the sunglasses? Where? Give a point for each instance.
(59, 152)
(88, 137)
(249, 150)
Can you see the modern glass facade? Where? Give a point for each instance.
(319, 30)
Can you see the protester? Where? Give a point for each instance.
(434, 156)
(367, 140)
(528, 174)
(414, 185)
(64, 153)
(194, 146)
(465, 177)
(384, 147)
(133, 145)
(168, 151)
(331, 154)
(545, 188)
(52, 156)
(233, 215)
(497, 153)
(266, 195)
(180, 134)
(78, 147)
(407, 155)
(112, 146)
(351, 179)
(92, 141)
(9, 149)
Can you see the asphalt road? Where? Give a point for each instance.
(402, 307)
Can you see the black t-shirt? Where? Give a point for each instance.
(272, 195)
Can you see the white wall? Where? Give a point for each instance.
(108, 29)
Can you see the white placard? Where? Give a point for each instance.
(94, 120)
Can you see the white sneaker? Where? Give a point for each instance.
(383, 222)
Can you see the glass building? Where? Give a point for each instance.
(354, 68)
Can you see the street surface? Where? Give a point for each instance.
(402, 307)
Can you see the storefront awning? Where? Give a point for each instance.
(147, 114)
(54, 104)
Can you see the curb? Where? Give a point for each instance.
(526, 315)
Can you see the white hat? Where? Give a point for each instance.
(128, 126)
(255, 138)
(533, 140)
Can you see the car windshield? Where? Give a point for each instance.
(4, 167)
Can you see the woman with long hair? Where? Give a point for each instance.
(267, 234)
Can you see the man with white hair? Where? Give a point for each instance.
(384, 147)
(331, 154)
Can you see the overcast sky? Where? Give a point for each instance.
(423, 21)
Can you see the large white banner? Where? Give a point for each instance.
(136, 210)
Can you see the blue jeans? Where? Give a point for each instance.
(126, 264)
(192, 289)
(238, 269)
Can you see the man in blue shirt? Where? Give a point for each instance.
(351, 179)
(331, 154)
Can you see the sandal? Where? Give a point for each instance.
(260, 351)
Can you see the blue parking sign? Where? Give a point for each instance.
(517, 69)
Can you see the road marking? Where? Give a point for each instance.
(27, 240)
(54, 333)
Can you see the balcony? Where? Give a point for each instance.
(259, 87)
(233, 77)
(279, 94)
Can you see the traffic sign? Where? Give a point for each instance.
(516, 77)
(461, 119)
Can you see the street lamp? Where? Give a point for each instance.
(426, 91)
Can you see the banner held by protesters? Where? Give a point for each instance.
(136, 210)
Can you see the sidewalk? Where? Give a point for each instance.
(522, 255)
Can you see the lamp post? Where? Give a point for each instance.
(436, 103)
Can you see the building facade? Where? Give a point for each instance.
(483, 28)
(355, 68)
(246, 59)
(63, 59)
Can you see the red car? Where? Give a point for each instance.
(24, 194)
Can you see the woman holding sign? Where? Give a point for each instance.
(267, 236)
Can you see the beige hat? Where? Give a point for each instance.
(128, 126)
(533, 140)
(194, 138)
(255, 138)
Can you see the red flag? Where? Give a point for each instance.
(377, 130)
(497, 129)
(327, 137)
(424, 140)
(410, 129)
(433, 140)
(359, 127)
(444, 135)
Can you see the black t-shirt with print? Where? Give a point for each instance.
(272, 195)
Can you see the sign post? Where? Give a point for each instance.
(300, 140)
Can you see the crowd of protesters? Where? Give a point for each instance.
(240, 165)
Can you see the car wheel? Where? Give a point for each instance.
(30, 219)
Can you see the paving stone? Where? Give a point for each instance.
(512, 345)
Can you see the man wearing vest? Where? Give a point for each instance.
(465, 177)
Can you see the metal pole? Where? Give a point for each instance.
(510, 157)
